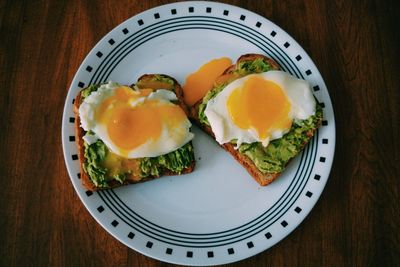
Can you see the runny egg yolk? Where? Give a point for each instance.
(261, 105)
(130, 126)
(200, 82)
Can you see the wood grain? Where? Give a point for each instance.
(355, 45)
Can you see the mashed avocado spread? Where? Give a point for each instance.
(274, 157)
(103, 166)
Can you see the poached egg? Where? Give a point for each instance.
(134, 123)
(259, 107)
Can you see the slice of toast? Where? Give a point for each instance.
(153, 81)
(232, 73)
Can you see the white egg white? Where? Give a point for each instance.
(225, 130)
(171, 138)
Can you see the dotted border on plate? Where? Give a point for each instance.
(210, 253)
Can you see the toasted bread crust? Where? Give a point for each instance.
(262, 178)
(79, 133)
(251, 57)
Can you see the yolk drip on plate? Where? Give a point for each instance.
(200, 82)
(131, 125)
(261, 105)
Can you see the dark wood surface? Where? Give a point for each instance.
(355, 45)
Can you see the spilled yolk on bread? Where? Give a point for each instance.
(200, 82)
(116, 164)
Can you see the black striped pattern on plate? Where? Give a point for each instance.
(124, 213)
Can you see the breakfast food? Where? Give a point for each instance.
(201, 81)
(261, 115)
(132, 134)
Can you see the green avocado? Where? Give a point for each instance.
(88, 90)
(98, 157)
(97, 154)
(94, 156)
(175, 161)
(274, 157)
(163, 79)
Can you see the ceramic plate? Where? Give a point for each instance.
(217, 214)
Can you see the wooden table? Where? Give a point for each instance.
(356, 46)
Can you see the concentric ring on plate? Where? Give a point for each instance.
(259, 223)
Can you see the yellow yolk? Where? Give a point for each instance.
(116, 164)
(261, 105)
(146, 91)
(131, 126)
(200, 82)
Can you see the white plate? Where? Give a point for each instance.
(217, 214)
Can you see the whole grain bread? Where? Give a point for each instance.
(227, 77)
(145, 81)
